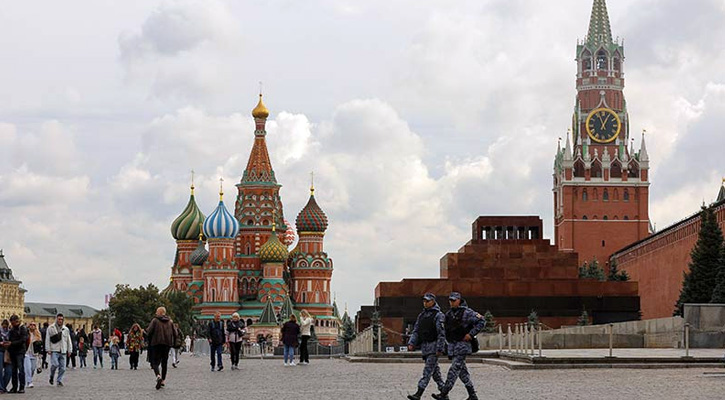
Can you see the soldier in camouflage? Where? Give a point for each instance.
(430, 335)
(462, 326)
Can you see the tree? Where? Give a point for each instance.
(490, 322)
(179, 309)
(533, 319)
(101, 320)
(615, 274)
(348, 329)
(583, 319)
(377, 324)
(699, 281)
(130, 305)
(718, 294)
(592, 271)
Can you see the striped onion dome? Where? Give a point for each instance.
(169, 290)
(273, 250)
(187, 226)
(199, 255)
(289, 235)
(221, 224)
(311, 218)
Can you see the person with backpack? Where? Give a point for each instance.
(429, 334)
(97, 343)
(176, 348)
(462, 326)
(59, 346)
(216, 336)
(161, 336)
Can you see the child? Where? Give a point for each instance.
(115, 351)
(82, 352)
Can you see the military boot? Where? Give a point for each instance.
(417, 394)
(471, 393)
(440, 396)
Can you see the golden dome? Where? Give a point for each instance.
(260, 111)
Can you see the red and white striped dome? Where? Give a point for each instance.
(288, 237)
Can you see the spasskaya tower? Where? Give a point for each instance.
(601, 185)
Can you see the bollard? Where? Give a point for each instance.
(518, 338)
(611, 339)
(500, 339)
(526, 339)
(687, 340)
(540, 347)
(508, 333)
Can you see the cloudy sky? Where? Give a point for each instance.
(416, 116)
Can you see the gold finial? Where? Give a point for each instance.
(274, 226)
(723, 183)
(260, 111)
(192, 181)
(644, 132)
(201, 231)
(312, 183)
(221, 189)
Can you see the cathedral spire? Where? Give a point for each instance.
(643, 156)
(259, 167)
(600, 32)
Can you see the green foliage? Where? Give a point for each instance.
(705, 263)
(533, 319)
(377, 324)
(615, 274)
(583, 319)
(592, 271)
(348, 329)
(490, 322)
(130, 305)
(718, 294)
(179, 309)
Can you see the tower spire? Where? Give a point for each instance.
(600, 32)
(643, 156)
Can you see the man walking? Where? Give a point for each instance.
(216, 337)
(161, 336)
(462, 326)
(43, 330)
(59, 346)
(18, 346)
(430, 335)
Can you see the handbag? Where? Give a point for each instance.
(38, 346)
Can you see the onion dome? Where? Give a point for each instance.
(187, 226)
(288, 237)
(273, 250)
(200, 254)
(311, 218)
(170, 290)
(221, 224)
(260, 111)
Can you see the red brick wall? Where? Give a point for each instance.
(658, 263)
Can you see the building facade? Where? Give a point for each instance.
(12, 295)
(601, 184)
(78, 316)
(247, 268)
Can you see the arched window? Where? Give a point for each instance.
(615, 171)
(626, 218)
(586, 61)
(248, 249)
(616, 195)
(585, 217)
(606, 218)
(605, 195)
(616, 64)
(596, 169)
(601, 60)
(585, 197)
(579, 169)
(250, 222)
(626, 195)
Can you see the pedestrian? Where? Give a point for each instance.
(429, 335)
(306, 331)
(216, 336)
(82, 352)
(462, 326)
(114, 351)
(235, 336)
(43, 330)
(33, 353)
(187, 344)
(97, 343)
(133, 345)
(176, 348)
(6, 368)
(161, 337)
(290, 337)
(74, 352)
(58, 344)
(18, 338)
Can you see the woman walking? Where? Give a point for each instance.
(133, 344)
(306, 329)
(161, 336)
(32, 354)
(290, 335)
(235, 334)
(97, 344)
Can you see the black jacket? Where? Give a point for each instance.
(18, 340)
(215, 332)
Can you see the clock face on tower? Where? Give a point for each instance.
(603, 125)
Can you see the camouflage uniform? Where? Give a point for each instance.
(430, 349)
(470, 322)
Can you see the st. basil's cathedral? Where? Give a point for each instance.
(247, 267)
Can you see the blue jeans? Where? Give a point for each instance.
(57, 361)
(216, 349)
(97, 355)
(6, 372)
(289, 352)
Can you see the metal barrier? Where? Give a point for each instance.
(363, 342)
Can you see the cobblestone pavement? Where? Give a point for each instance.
(338, 379)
